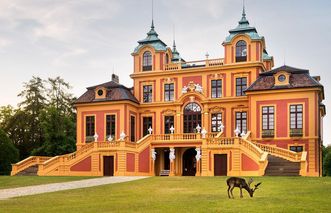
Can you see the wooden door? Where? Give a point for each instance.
(220, 165)
(108, 165)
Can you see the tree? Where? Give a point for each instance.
(59, 133)
(58, 120)
(327, 161)
(8, 154)
(6, 112)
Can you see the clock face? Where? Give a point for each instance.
(281, 78)
(100, 92)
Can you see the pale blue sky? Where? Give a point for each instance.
(82, 40)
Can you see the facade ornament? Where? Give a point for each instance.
(172, 129)
(243, 134)
(198, 88)
(95, 137)
(153, 153)
(221, 126)
(150, 130)
(184, 90)
(122, 136)
(191, 86)
(198, 128)
(204, 133)
(237, 131)
(110, 138)
(172, 156)
(198, 155)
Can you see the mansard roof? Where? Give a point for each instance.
(115, 92)
(299, 78)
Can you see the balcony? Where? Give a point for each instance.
(296, 132)
(268, 133)
(195, 64)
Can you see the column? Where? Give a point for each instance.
(198, 158)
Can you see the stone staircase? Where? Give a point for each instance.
(281, 167)
(164, 172)
(30, 171)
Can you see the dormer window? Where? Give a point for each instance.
(147, 61)
(282, 78)
(241, 51)
(100, 93)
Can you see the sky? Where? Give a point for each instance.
(85, 41)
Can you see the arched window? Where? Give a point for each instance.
(192, 107)
(192, 117)
(147, 61)
(241, 51)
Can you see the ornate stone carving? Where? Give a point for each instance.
(204, 133)
(150, 130)
(191, 87)
(172, 129)
(122, 136)
(172, 156)
(96, 137)
(153, 154)
(198, 155)
(216, 109)
(169, 112)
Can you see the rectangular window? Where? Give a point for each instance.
(147, 122)
(268, 116)
(241, 121)
(148, 93)
(296, 148)
(168, 92)
(296, 120)
(216, 88)
(241, 86)
(89, 128)
(110, 126)
(133, 128)
(216, 122)
(168, 123)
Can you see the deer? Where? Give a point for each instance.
(242, 184)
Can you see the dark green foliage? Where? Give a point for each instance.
(44, 123)
(59, 132)
(327, 161)
(8, 154)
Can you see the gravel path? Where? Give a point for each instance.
(53, 187)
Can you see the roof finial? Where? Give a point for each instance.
(174, 37)
(152, 14)
(244, 12)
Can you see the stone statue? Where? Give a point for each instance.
(153, 154)
(198, 155)
(172, 156)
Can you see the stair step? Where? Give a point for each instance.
(30, 171)
(281, 167)
(164, 172)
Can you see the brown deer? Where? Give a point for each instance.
(240, 183)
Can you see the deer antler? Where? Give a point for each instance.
(249, 182)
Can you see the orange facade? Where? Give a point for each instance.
(226, 116)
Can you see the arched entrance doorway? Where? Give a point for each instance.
(192, 117)
(189, 162)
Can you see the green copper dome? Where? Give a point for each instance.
(153, 40)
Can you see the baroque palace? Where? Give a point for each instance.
(228, 116)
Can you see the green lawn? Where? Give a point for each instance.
(183, 194)
(18, 181)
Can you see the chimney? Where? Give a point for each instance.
(115, 78)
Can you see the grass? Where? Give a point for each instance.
(19, 181)
(183, 194)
